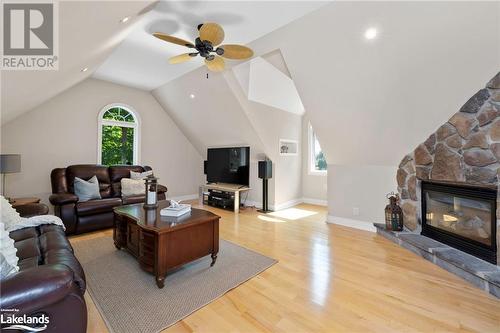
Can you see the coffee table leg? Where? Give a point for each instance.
(214, 258)
(160, 281)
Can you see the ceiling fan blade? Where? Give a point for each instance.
(232, 51)
(212, 32)
(182, 58)
(215, 65)
(173, 39)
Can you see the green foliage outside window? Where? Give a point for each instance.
(117, 145)
(119, 114)
(320, 161)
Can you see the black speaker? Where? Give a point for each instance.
(266, 169)
(265, 172)
(205, 165)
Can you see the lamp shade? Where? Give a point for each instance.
(10, 163)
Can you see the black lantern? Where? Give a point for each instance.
(151, 192)
(393, 213)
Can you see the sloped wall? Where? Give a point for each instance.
(372, 101)
(466, 149)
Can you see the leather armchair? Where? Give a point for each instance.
(50, 280)
(58, 199)
(37, 287)
(80, 217)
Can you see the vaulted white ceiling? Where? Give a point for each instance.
(141, 60)
(88, 32)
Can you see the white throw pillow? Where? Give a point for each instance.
(10, 216)
(140, 175)
(132, 187)
(8, 258)
(87, 190)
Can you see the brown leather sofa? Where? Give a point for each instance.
(50, 279)
(80, 217)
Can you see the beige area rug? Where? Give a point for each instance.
(129, 300)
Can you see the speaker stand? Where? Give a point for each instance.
(265, 207)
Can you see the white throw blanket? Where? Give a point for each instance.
(35, 221)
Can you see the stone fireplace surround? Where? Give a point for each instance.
(464, 150)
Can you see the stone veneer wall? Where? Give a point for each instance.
(464, 150)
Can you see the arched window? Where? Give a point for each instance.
(118, 140)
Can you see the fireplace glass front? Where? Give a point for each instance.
(461, 216)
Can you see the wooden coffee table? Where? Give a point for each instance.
(163, 243)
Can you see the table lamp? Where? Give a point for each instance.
(9, 163)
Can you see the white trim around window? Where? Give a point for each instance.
(311, 158)
(136, 125)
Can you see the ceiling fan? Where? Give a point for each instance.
(211, 35)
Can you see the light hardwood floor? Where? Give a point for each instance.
(332, 279)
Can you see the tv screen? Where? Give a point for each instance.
(228, 165)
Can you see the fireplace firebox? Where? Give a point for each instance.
(461, 216)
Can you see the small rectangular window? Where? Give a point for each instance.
(317, 160)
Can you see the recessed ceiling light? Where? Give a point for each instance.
(192, 96)
(371, 33)
(125, 19)
(84, 69)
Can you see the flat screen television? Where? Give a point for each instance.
(228, 165)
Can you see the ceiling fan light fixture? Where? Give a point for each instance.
(210, 35)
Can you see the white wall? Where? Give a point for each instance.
(63, 131)
(213, 118)
(371, 102)
(271, 125)
(352, 187)
(221, 115)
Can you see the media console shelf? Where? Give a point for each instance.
(236, 190)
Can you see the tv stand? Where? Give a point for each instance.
(235, 189)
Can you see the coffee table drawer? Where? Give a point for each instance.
(147, 248)
(133, 239)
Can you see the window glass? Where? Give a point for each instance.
(119, 114)
(317, 157)
(117, 145)
(118, 130)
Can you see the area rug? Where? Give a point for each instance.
(129, 300)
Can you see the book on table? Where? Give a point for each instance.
(177, 210)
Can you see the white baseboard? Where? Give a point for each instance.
(250, 203)
(288, 204)
(184, 197)
(346, 222)
(312, 201)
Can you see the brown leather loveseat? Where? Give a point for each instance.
(50, 280)
(80, 217)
